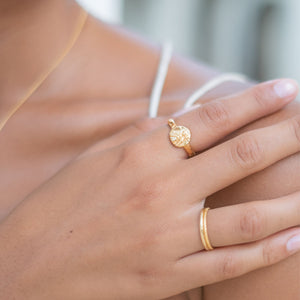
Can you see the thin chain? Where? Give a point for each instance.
(38, 82)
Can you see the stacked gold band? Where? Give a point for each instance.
(203, 230)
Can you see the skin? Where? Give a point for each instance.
(86, 238)
(88, 102)
(280, 179)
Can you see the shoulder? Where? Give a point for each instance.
(119, 57)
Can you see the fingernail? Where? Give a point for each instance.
(285, 88)
(293, 244)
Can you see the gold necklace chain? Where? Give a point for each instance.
(38, 82)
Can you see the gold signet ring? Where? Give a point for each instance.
(180, 137)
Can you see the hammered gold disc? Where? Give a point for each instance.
(180, 136)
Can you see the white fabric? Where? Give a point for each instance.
(213, 83)
(162, 70)
(166, 55)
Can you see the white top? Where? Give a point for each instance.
(160, 78)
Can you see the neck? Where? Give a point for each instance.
(32, 34)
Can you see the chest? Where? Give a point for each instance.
(41, 138)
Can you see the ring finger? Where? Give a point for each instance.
(238, 224)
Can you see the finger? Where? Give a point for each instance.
(216, 119)
(245, 223)
(207, 267)
(237, 158)
(126, 134)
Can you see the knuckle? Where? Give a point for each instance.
(252, 224)
(150, 240)
(215, 114)
(128, 152)
(228, 267)
(147, 275)
(133, 154)
(147, 195)
(246, 151)
(147, 124)
(150, 278)
(147, 241)
(260, 94)
(270, 254)
(151, 190)
(295, 126)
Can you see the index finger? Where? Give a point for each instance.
(216, 119)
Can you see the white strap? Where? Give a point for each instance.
(165, 58)
(213, 83)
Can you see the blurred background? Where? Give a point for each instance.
(256, 37)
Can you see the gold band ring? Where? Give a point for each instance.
(203, 230)
(180, 137)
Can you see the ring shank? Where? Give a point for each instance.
(189, 150)
(203, 230)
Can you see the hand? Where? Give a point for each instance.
(123, 223)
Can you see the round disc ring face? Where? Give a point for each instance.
(180, 136)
